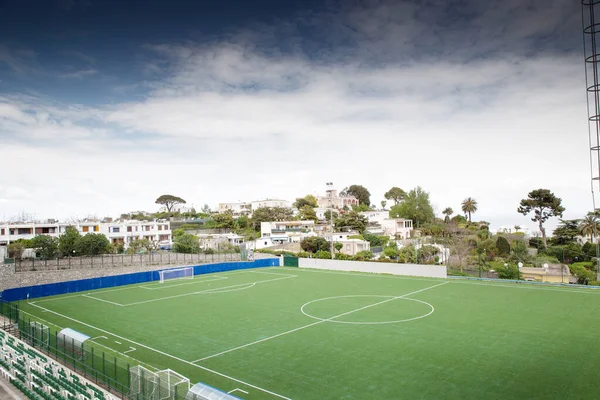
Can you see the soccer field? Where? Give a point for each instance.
(290, 333)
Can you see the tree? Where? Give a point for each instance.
(544, 205)
(307, 213)
(395, 194)
(92, 244)
(416, 207)
(16, 249)
(186, 243)
(517, 228)
(313, 244)
(375, 240)
(351, 220)
(138, 245)
(361, 193)
(447, 212)
(383, 203)
(46, 246)
(224, 220)
(589, 226)
(503, 246)
(308, 200)
(566, 231)
(169, 201)
(270, 214)
(205, 209)
(338, 246)
(67, 242)
(469, 206)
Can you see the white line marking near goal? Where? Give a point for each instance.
(237, 390)
(117, 342)
(167, 354)
(208, 291)
(271, 273)
(316, 323)
(94, 339)
(130, 350)
(106, 301)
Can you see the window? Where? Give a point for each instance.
(2, 231)
(147, 227)
(86, 229)
(129, 229)
(96, 228)
(160, 227)
(115, 229)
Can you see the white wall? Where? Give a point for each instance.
(431, 271)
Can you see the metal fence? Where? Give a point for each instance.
(123, 260)
(103, 368)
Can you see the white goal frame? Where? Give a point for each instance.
(176, 273)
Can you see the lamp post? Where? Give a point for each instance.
(330, 195)
(519, 266)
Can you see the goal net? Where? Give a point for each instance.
(159, 385)
(176, 273)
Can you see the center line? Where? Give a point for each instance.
(317, 323)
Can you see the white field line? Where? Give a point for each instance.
(162, 286)
(96, 291)
(270, 273)
(317, 323)
(132, 286)
(166, 354)
(106, 301)
(131, 348)
(94, 339)
(508, 285)
(213, 290)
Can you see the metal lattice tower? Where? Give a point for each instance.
(591, 44)
(590, 21)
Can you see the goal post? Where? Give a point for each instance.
(176, 273)
(160, 385)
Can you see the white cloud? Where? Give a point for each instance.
(230, 120)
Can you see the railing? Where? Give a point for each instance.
(122, 260)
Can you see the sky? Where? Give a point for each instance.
(106, 105)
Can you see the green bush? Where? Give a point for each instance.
(342, 256)
(363, 255)
(503, 246)
(323, 254)
(507, 272)
(582, 272)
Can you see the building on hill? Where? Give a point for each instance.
(280, 232)
(270, 203)
(380, 223)
(237, 209)
(333, 199)
(117, 232)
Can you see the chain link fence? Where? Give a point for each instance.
(123, 260)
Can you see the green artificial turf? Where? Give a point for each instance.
(392, 337)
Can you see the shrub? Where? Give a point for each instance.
(323, 254)
(503, 246)
(342, 256)
(363, 255)
(511, 271)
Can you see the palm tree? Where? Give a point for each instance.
(383, 203)
(517, 228)
(469, 206)
(589, 226)
(447, 212)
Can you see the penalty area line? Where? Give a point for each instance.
(166, 354)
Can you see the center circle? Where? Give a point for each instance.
(362, 303)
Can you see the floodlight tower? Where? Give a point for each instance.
(590, 20)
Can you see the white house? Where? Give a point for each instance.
(239, 208)
(270, 203)
(279, 232)
(214, 241)
(381, 224)
(117, 232)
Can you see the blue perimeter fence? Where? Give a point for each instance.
(53, 289)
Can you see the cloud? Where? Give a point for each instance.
(80, 74)
(464, 101)
(20, 61)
